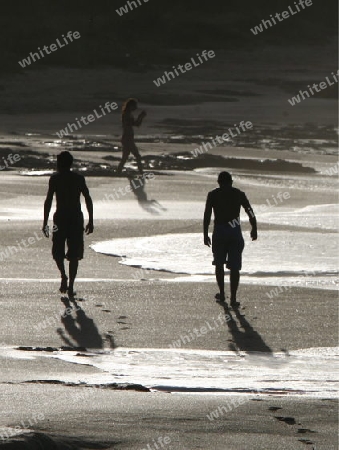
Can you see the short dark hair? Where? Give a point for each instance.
(225, 178)
(64, 160)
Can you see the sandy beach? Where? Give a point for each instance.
(131, 328)
(143, 357)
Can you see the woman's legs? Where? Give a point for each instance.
(125, 155)
(136, 154)
(128, 148)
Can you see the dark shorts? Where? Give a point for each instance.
(227, 246)
(70, 230)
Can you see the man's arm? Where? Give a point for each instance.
(89, 205)
(207, 220)
(253, 221)
(47, 206)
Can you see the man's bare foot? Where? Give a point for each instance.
(71, 293)
(234, 303)
(63, 285)
(220, 297)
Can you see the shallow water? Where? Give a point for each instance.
(298, 257)
(309, 372)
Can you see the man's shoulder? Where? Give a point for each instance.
(77, 176)
(214, 191)
(54, 177)
(238, 191)
(232, 189)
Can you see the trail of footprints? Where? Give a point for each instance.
(291, 421)
(285, 419)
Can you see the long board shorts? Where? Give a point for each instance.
(70, 231)
(227, 246)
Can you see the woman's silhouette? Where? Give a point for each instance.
(128, 122)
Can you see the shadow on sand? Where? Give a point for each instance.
(138, 187)
(42, 441)
(245, 339)
(80, 328)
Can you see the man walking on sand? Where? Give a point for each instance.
(68, 219)
(227, 239)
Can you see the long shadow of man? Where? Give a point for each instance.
(247, 339)
(81, 329)
(138, 187)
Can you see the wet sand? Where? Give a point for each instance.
(128, 420)
(137, 315)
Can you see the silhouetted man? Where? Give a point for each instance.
(68, 218)
(227, 239)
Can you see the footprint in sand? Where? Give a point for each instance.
(305, 430)
(306, 441)
(288, 420)
(110, 339)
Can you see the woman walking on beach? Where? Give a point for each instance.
(128, 144)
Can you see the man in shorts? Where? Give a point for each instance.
(227, 239)
(68, 218)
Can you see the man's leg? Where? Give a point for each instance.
(73, 270)
(58, 252)
(220, 276)
(234, 283)
(60, 262)
(75, 244)
(235, 260)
